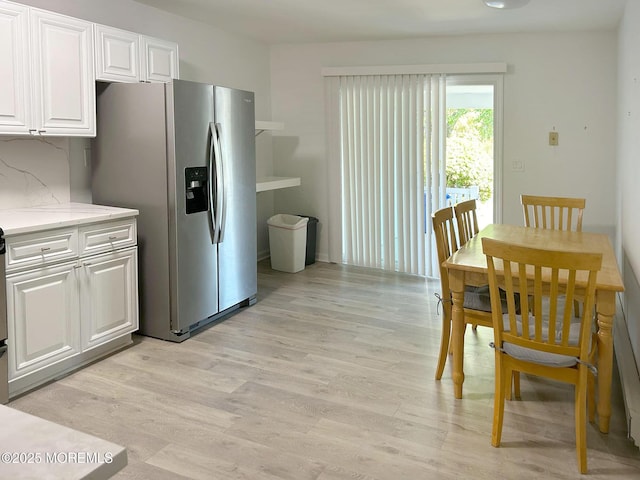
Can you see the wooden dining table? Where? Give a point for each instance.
(468, 266)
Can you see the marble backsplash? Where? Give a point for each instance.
(42, 171)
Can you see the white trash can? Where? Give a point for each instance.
(287, 242)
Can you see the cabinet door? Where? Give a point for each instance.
(15, 105)
(117, 55)
(109, 296)
(64, 78)
(159, 60)
(42, 318)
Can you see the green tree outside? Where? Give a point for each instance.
(470, 149)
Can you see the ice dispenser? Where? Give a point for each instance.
(196, 189)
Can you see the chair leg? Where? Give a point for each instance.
(591, 398)
(498, 401)
(591, 382)
(581, 420)
(445, 341)
(516, 385)
(512, 377)
(464, 331)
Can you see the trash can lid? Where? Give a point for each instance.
(311, 219)
(291, 222)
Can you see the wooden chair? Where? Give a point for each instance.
(544, 340)
(477, 303)
(467, 220)
(554, 213)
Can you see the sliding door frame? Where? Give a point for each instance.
(497, 81)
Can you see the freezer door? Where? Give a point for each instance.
(235, 120)
(193, 255)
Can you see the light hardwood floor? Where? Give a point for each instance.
(329, 376)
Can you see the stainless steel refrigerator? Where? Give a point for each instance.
(183, 154)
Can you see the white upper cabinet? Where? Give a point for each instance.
(15, 95)
(159, 60)
(64, 80)
(117, 55)
(123, 56)
(46, 73)
(49, 64)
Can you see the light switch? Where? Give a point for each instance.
(553, 138)
(517, 166)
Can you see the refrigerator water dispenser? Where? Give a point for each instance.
(196, 189)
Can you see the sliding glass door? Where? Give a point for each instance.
(407, 145)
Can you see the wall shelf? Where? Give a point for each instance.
(261, 126)
(274, 183)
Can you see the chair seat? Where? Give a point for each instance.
(477, 298)
(536, 356)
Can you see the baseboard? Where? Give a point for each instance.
(320, 257)
(629, 377)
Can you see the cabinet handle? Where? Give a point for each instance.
(45, 249)
(113, 237)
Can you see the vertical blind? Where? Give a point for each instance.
(386, 173)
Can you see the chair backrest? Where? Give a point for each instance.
(467, 220)
(553, 213)
(545, 277)
(446, 242)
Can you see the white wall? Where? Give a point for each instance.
(206, 54)
(566, 81)
(628, 166)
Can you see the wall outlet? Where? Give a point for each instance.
(553, 138)
(517, 166)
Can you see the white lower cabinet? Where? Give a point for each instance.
(64, 313)
(108, 296)
(43, 318)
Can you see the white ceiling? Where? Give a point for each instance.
(302, 21)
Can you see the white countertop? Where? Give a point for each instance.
(31, 447)
(34, 219)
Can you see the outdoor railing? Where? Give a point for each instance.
(461, 194)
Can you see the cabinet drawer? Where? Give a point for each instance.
(104, 237)
(37, 249)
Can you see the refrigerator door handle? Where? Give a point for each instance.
(212, 207)
(218, 164)
(220, 185)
